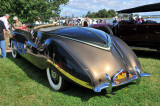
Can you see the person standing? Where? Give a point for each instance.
(101, 21)
(65, 23)
(90, 22)
(94, 21)
(4, 19)
(16, 23)
(86, 23)
(38, 21)
(2, 39)
(56, 22)
(115, 21)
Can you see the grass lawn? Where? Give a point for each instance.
(21, 83)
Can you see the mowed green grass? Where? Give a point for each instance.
(21, 83)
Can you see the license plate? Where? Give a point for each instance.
(121, 76)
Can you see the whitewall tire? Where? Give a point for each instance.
(55, 80)
(14, 51)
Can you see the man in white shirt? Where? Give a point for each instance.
(4, 19)
(38, 21)
(94, 21)
(90, 22)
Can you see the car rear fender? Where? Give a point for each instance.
(128, 55)
(61, 58)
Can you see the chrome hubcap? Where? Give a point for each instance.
(54, 76)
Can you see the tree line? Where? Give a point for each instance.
(28, 10)
(102, 14)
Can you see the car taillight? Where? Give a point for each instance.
(124, 71)
(130, 75)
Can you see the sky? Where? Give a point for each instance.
(81, 7)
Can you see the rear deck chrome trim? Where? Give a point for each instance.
(108, 85)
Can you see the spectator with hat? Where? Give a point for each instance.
(17, 23)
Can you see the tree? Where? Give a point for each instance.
(28, 10)
(102, 14)
(112, 13)
(88, 14)
(94, 15)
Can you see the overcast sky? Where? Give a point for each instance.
(80, 7)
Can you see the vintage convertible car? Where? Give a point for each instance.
(85, 56)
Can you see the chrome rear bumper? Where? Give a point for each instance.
(108, 85)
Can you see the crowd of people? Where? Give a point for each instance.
(135, 20)
(84, 22)
(5, 31)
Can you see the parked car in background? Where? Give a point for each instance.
(145, 35)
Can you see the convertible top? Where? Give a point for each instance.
(144, 8)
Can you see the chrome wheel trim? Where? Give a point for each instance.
(54, 76)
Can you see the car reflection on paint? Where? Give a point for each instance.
(85, 56)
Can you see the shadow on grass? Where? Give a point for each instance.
(32, 71)
(85, 94)
(40, 77)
